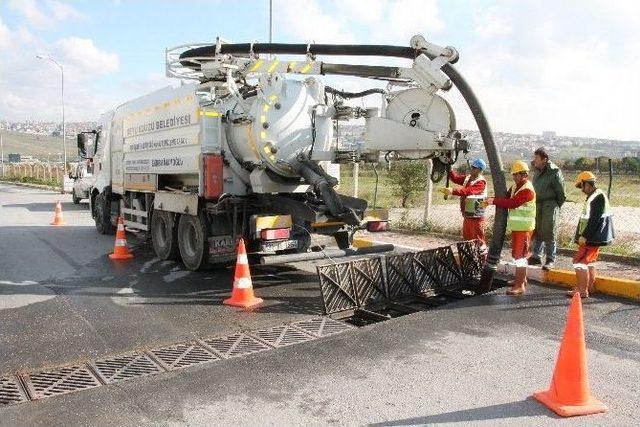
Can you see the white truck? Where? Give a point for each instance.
(243, 150)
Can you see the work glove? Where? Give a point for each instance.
(582, 241)
(447, 191)
(486, 202)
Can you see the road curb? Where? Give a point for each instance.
(613, 286)
(28, 185)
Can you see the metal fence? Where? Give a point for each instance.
(34, 172)
(429, 210)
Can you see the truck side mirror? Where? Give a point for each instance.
(86, 144)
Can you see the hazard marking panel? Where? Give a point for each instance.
(236, 345)
(282, 336)
(125, 367)
(182, 355)
(60, 381)
(10, 391)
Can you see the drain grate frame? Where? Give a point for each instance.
(282, 336)
(124, 367)
(183, 355)
(63, 380)
(11, 392)
(236, 345)
(322, 326)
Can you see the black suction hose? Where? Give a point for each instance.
(191, 58)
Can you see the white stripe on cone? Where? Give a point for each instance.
(242, 259)
(121, 242)
(120, 227)
(242, 283)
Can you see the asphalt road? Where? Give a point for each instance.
(475, 361)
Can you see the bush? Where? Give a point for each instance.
(407, 178)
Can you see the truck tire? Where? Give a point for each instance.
(76, 200)
(192, 241)
(103, 215)
(164, 235)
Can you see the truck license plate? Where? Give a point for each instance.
(279, 246)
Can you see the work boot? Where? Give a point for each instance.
(534, 260)
(519, 282)
(548, 266)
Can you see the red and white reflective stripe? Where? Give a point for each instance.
(121, 242)
(242, 283)
(275, 233)
(242, 259)
(120, 226)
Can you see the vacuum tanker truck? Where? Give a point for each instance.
(245, 146)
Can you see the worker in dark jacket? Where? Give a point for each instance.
(548, 182)
(595, 229)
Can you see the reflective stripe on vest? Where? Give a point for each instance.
(523, 218)
(472, 207)
(586, 209)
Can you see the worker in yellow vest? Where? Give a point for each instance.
(595, 229)
(521, 203)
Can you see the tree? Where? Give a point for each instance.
(406, 178)
(584, 163)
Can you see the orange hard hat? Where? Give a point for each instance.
(584, 176)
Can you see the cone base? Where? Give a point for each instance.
(243, 302)
(592, 406)
(58, 223)
(120, 256)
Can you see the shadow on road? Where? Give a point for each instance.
(49, 207)
(524, 408)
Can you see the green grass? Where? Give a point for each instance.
(31, 180)
(38, 146)
(625, 189)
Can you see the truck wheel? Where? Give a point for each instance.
(164, 235)
(76, 200)
(103, 215)
(192, 241)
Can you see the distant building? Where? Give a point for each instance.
(548, 135)
(14, 158)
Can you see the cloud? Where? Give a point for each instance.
(5, 36)
(85, 57)
(308, 22)
(44, 14)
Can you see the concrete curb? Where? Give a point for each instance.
(36, 186)
(613, 286)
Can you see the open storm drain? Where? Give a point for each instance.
(370, 290)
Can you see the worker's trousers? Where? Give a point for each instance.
(546, 232)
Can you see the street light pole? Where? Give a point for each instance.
(2, 153)
(64, 145)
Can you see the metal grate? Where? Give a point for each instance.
(446, 268)
(322, 326)
(336, 287)
(10, 391)
(125, 367)
(470, 261)
(60, 381)
(236, 345)
(282, 336)
(368, 281)
(182, 355)
(400, 275)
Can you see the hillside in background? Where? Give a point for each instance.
(39, 146)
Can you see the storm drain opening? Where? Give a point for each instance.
(60, 381)
(182, 355)
(236, 345)
(124, 367)
(282, 336)
(11, 392)
(366, 291)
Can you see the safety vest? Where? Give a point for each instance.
(472, 204)
(523, 218)
(603, 233)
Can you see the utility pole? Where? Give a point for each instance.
(428, 193)
(64, 146)
(270, 21)
(2, 153)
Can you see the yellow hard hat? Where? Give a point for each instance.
(584, 176)
(519, 166)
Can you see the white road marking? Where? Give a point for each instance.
(21, 294)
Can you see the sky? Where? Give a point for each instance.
(568, 66)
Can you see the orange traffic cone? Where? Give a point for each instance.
(242, 292)
(120, 250)
(569, 393)
(57, 216)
